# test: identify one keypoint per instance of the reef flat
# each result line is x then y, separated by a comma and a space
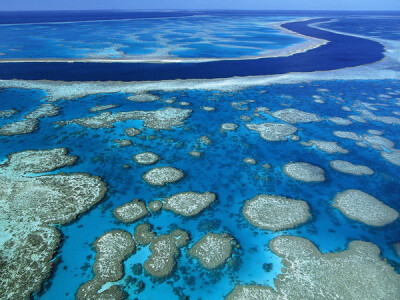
350, 168
328, 147
162, 261
362, 207
273, 132
160, 119
7, 113
356, 273
304, 172
112, 248
146, 158
189, 203
30, 121
294, 116
392, 157
31, 207
212, 250
162, 175
131, 212
102, 107
164, 249
275, 213
229, 127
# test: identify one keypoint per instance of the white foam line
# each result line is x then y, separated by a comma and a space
57, 90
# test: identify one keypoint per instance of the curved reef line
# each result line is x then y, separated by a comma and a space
341, 51
308, 44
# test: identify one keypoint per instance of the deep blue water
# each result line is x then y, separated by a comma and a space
219, 170
341, 52
385, 27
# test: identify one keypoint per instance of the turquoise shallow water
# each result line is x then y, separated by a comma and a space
220, 170
165, 37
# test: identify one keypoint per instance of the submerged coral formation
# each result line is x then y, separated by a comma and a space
162, 175
304, 172
162, 260
393, 157
102, 107
349, 168
356, 273
131, 212
189, 203
362, 207
340, 121
294, 116
165, 118
143, 97
7, 113
229, 127
112, 248
155, 206
144, 234
132, 131
212, 250
250, 161
29, 207
146, 158
328, 147
276, 212
273, 132
30, 122
348, 135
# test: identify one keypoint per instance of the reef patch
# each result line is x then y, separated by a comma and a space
349, 168
356, 273
304, 172
362, 207
273, 132
212, 250
189, 204
276, 213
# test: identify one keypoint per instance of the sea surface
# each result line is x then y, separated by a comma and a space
220, 169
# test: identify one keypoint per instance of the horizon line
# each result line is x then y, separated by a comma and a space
205, 10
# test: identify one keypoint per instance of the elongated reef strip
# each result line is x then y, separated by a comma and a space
362, 207
349, 168
392, 157
102, 107
294, 116
165, 118
348, 135
328, 147
30, 122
